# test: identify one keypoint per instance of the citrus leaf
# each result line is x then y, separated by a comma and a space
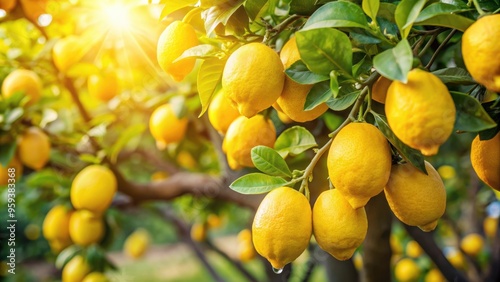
471, 115
318, 94
409, 154
202, 51
294, 141
454, 76
493, 110
220, 14
254, 8
324, 50
344, 102
406, 13
395, 63
173, 6
125, 137
448, 20
269, 161
332, 121
299, 73
439, 8
66, 255
7, 151
209, 76
334, 83
256, 183
370, 7
13, 115
337, 14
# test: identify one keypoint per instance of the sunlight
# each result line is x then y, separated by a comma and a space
116, 16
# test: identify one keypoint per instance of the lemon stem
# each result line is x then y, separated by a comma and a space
439, 48
189, 16
478, 8
271, 31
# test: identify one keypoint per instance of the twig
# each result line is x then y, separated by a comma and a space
428, 45
280, 27
441, 46
236, 264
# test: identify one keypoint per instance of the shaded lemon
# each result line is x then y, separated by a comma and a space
5, 175
245, 235
490, 226
96, 277
93, 188
434, 275
246, 251
214, 221
75, 270
159, 176
472, 244
67, 52
485, 159
447, 172
456, 258
25, 81
380, 88
34, 148
33, 8
406, 270
86, 228
7, 5
165, 126
137, 243
56, 246
413, 249
32, 231
199, 232
221, 113
103, 87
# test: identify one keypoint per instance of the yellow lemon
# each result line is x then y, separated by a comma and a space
186, 160
481, 50
7, 5
103, 87
174, 40
5, 175
75, 270
456, 259
96, 277
246, 251
137, 243
245, 235
34, 148
67, 52
447, 171
396, 246
32, 231
253, 78
159, 176
293, 96
165, 126
93, 189
86, 228
413, 249
25, 81
357, 168
34, 8
221, 113
472, 244
485, 159
421, 112
406, 270
415, 198
199, 232
244, 134
490, 226
434, 275
282, 226
337, 227
56, 246
380, 88
214, 221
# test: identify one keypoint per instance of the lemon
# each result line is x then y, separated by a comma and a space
103, 87
447, 171
221, 113
86, 228
186, 160
406, 270
490, 226
293, 97
421, 112
34, 148
25, 81
485, 159
214, 221
415, 198
137, 243
165, 126
357, 168
67, 52
472, 244
380, 88
246, 251
75, 270
32, 231
56, 246
159, 176
7, 5
245, 235
174, 40
282, 226
96, 277
93, 189
396, 246
456, 259
199, 232
434, 275
480, 50
337, 227
253, 78
56, 224
5, 174
413, 249
358, 261
244, 134
33, 8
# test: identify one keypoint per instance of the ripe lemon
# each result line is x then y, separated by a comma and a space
490, 226
221, 113
96, 277
159, 176
199, 232
456, 259
415, 198
421, 112
137, 243
165, 126
244, 134
357, 168
56, 246
7, 5
174, 40
396, 246
56, 224
434, 275
67, 52
245, 235
32, 231
86, 228
75, 270
34, 8
93, 189
337, 227
447, 172
380, 88
186, 160
34, 148
253, 78
4, 171
103, 87
246, 251
472, 244
293, 97
25, 81
214, 221
358, 261
413, 249
282, 226
485, 159
406, 270
480, 50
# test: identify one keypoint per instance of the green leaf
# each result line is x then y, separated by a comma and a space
220, 14
89, 158
439, 8
44, 178
324, 50
332, 121
409, 154
125, 136
406, 13
337, 14
202, 51
455, 21
344, 102
334, 84
493, 110
299, 73
209, 76
269, 161
13, 115
370, 7
257, 183
294, 141
454, 76
395, 63
7, 151
254, 8
471, 115
66, 255
318, 94
172, 6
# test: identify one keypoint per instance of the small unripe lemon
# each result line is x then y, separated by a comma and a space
93, 188
447, 171
165, 126
86, 228
472, 244
199, 232
96, 277
56, 224
456, 259
32, 231
434, 275
413, 249
137, 243
75, 270
214, 221
56, 246
485, 159
34, 148
490, 226
25, 81
406, 270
